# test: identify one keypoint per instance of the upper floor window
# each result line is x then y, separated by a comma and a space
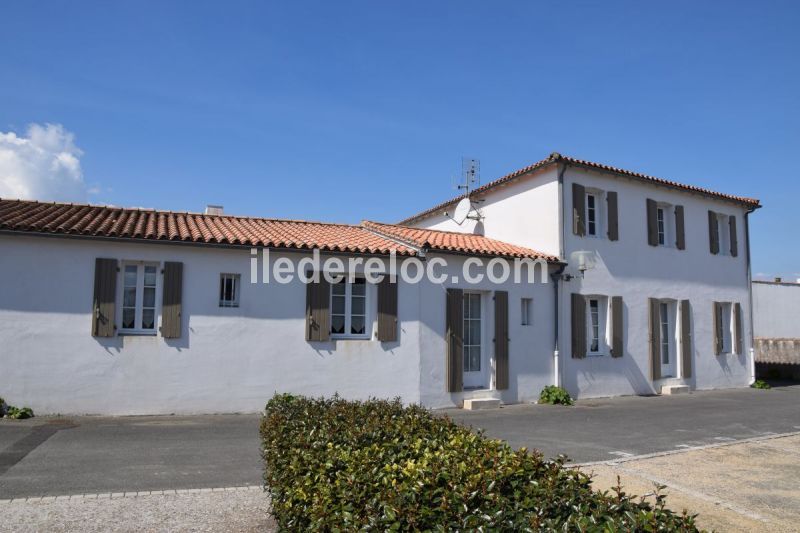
661, 224
722, 234
526, 311
591, 214
139, 283
665, 225
229, 290
349, 308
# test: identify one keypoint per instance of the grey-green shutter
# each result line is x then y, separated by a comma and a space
501, 339
172, 305
680, 230
613, 216
617, 329
686, 338
655, 339
734, 239
454, 318
737, 320
717, 311
652, 222
104, 301
578, 209
387, 310
713, 232
318, 297
578, 326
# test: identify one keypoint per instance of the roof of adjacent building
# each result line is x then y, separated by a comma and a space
449, 241
556, 158
81, 220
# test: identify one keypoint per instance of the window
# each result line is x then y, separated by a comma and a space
349, 308
591, 214
472, 332
665, 332
724, 228
139, 284
662, 235
229, 290
725, 326
596, 325
526, 311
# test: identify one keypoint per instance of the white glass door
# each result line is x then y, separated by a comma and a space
474, 352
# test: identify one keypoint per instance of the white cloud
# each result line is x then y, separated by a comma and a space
44, 164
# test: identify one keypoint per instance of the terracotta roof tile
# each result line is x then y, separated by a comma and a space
555, 158
147, 225
448, 241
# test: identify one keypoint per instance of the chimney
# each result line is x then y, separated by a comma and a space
214, 210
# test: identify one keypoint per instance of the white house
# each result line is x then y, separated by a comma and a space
124, 311
776, 306
667, 302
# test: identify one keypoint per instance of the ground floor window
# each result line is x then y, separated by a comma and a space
597, 337
349, 308
725, 326
139, 284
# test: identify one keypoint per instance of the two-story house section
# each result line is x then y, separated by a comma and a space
655, 296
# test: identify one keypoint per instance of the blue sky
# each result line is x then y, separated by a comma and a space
344, 111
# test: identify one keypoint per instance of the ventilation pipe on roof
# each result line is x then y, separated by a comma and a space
214, 210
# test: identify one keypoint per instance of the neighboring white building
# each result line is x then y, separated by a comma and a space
670, 285
776, 308
122, 311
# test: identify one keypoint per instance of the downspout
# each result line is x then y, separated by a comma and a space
750, 294
556, 277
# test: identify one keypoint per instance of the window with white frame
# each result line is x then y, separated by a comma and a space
665, 222
472, 332
665, 332
661, 225
725, 326
597, 325
349, 308
229, 285
526, 311
723, 223
592, 219
139, 284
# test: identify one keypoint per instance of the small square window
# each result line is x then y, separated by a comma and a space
526, 311
229, 290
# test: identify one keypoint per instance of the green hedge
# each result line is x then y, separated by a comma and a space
338, 465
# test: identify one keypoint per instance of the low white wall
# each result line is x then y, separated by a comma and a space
776, 310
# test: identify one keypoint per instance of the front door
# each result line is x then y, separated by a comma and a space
474, 353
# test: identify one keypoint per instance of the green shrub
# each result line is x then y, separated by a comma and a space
336, 465
19, 412
760, 384
555, 396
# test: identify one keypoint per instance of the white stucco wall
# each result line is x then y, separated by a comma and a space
776, 310
227, 359
524, 212
633, 269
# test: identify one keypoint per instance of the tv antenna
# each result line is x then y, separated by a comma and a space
470, 180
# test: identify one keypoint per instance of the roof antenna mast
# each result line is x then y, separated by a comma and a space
470, 180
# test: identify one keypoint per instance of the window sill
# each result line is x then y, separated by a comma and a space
339, 337
129, 333
596, 354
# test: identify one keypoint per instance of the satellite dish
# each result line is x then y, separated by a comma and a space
462, 211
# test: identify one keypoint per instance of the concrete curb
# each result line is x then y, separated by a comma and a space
612, 462
131, 494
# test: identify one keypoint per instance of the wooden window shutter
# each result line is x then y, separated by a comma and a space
578, 326
172, 304
737, 321
613, 216
501, 339
713, 232
717, 311
104, 301
655, 339
318, 297
578, 209
617, 327
387, 310
652, 222
686, 338
454, 317
680, 230
734, 239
